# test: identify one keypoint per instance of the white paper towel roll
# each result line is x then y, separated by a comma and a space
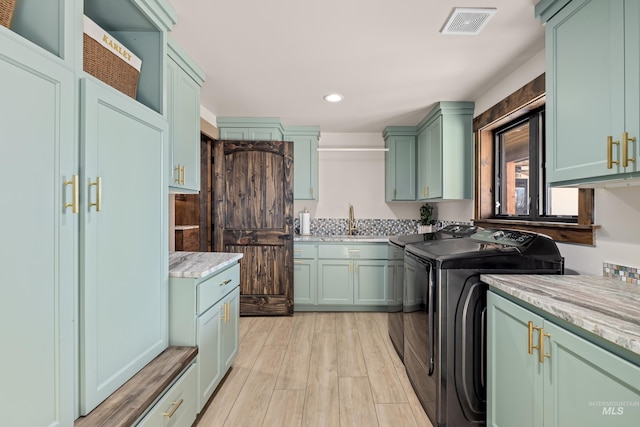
305, 223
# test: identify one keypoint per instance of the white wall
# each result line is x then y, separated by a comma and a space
355, 178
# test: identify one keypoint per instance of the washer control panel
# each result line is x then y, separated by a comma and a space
504, 237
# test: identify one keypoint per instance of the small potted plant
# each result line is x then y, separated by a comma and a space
427, 221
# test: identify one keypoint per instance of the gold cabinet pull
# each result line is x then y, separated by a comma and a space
74, 194
541, 353
298, 262
357, 267
539, 346
355, 251
226, 282
177, 176
610, 143
227, 306
174, 408
425, 191
625, 149
313, 193
350, 267
182, 175
98, 202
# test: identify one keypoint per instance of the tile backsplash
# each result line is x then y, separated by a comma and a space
621, 272
367, 227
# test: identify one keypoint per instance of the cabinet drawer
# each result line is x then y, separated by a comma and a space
304, 251
211, 290
177, 408
353, 251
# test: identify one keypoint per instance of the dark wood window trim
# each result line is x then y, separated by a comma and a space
523, 100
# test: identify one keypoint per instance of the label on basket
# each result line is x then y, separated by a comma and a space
94, 31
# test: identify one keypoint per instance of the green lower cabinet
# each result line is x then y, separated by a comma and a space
369, 283
305, 290
577, 383
305, 276
204, 312
335, 282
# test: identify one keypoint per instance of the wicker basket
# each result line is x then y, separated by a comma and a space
108, 60
6, 12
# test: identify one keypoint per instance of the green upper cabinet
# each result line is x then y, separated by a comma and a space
250, 128
541, 374
184, 79
400, 163
445, 152
593, 89
305, 160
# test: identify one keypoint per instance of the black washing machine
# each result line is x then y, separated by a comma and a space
396, 289
445, 315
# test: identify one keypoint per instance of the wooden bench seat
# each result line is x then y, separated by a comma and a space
137, 395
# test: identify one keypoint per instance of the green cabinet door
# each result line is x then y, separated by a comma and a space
184, 79
229, 339
369, 282
305, 160
39, 249
400, 163
335, 282
585, 89
432, 187
123, 264
586, 385
209, 332
305, 290
514, 376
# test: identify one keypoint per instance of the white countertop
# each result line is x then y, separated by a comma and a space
603, 306
199, 264
340, 238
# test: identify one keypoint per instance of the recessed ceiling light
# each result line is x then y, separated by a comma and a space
333, 97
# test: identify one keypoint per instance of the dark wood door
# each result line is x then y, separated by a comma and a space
253, 214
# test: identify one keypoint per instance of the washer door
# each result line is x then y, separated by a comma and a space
470, 349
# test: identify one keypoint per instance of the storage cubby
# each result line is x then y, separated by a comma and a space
43, 23
142, 28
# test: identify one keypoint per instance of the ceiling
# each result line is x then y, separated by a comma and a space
278, 58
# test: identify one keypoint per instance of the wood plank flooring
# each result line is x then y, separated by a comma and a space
315, 369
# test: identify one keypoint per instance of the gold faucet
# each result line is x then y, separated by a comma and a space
352, 221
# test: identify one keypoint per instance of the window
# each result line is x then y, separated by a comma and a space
520, 188
510, 188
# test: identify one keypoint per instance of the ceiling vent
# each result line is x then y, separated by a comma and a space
467, 21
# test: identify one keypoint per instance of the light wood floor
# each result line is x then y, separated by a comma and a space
315, 369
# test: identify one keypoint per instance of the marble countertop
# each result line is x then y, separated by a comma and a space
603, 306
199, 264
340, 238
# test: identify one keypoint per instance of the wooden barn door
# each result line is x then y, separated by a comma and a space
253, 214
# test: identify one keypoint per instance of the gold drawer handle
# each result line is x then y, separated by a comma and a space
173, 410
98, 185
625, 149
74, 194
226, 282
297, 250
298, 262
541, 353
353, 250
610, 144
